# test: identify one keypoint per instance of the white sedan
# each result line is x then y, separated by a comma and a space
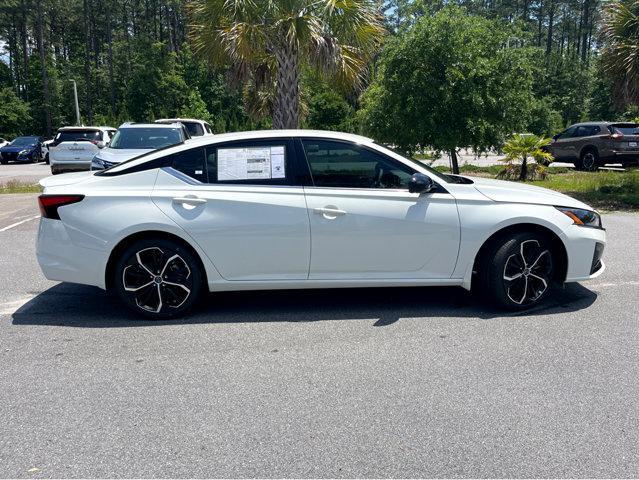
306, 209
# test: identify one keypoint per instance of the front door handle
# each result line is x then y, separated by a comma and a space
189, 200
330, 212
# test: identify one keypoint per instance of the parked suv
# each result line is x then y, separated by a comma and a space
594, 144
134, 139
196, 128
73, 148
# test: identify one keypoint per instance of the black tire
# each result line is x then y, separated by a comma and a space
158, 278
46, 159
588, 161
516, 272
4, 162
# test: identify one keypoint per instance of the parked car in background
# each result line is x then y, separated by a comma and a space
73, 148
45, 150
306, 209
3, 142
196, 128
591, 145
22, 149
134, 139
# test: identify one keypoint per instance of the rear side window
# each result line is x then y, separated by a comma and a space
587, 130
266, 162
626, 129
194, 129
347, 165
191, 163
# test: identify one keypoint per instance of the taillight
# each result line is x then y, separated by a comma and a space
49, 204
616, 136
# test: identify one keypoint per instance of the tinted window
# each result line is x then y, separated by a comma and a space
24, 141
568, 133
191, 163
265, 162
587, 130
145, 138
78, 135
343, 164
194, 129
627, 129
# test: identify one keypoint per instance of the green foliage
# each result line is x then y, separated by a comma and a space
544, 119
328, 111
448, 83
518, 149
14, 114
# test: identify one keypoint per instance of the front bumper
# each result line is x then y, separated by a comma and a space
584, 248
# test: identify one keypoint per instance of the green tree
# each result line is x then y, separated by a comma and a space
522, 147
14, 114
449, 83
272, 40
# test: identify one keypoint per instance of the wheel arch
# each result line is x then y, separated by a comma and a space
588, 147
559, 251
142, 235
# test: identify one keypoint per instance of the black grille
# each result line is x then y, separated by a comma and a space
596, 258
10, 157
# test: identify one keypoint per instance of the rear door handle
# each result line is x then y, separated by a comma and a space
189, 200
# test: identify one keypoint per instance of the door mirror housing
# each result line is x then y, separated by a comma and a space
555, 137
420, 183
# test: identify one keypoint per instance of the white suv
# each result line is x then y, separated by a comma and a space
196, 128
73, 148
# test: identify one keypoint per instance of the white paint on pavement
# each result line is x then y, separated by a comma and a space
9, 227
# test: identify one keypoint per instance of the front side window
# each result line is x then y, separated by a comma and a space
145, 138
346, 165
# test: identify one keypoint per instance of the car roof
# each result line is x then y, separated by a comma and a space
150, 125
75, 128
238, 136
164, 120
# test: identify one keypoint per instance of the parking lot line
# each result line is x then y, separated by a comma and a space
9, 227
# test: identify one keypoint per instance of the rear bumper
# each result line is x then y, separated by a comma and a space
620, 156
61, 167
63, 260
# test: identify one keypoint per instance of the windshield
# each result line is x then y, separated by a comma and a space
76, 135
145, 138
24, 141
443, 176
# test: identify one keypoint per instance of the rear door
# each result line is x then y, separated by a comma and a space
242, 203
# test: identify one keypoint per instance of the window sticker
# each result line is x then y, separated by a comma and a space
252, 163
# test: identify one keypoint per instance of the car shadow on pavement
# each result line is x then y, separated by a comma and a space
73, 305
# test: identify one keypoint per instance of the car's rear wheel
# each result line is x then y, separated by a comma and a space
158, 278
517, 272
588, 161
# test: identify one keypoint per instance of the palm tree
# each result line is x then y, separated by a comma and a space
523, 146
269, 41
620, 53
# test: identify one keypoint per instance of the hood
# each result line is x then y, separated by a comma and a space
65, 179
514, 192
116, 155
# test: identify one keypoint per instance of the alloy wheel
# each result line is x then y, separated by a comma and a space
589, 161
157, 280
527, 274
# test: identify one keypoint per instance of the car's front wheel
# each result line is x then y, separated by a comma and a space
517, 272
158, 278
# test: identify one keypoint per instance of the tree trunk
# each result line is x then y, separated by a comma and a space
551, 19
25, 52
286, 112
454, 161
43, 68
524, 169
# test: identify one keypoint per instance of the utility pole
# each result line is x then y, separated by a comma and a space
75, 98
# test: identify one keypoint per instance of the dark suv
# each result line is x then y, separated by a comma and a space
593, 144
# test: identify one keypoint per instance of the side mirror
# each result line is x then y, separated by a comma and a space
555, 137
420, 183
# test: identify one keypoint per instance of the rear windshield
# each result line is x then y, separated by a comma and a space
145, 138
194, 129
24, 141
78, 135
627, 128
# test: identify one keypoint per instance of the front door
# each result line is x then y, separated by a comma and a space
366, 225
239, 203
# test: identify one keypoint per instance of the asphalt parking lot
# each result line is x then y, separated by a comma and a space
410, 382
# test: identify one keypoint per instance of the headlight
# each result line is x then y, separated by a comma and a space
23, 152
585, 218
97, 164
